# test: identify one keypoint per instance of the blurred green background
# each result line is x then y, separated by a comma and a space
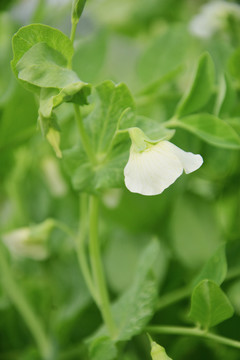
152, 47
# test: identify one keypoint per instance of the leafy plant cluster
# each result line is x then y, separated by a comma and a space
171, 262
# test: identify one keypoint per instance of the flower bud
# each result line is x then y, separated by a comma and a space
77, 9
53, 137
30, 242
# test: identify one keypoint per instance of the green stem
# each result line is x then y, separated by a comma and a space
80, 246
73, 31
83, 135
20, 302
173, 297
97, 268
178, 330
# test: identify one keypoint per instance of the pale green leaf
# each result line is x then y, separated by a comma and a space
30, 35
158, 352
201, 88
45, 67
211, 129
215, 269
209, 304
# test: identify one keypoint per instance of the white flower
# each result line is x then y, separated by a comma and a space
154, 166
29, 242
213, 17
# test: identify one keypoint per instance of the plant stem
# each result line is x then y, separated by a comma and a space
73, 31
97, 268
80, 246
173, 297
83, 135
20, 302
178, 330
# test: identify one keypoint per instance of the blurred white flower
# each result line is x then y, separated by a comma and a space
154, 165
29, 242
213, 17
112, 197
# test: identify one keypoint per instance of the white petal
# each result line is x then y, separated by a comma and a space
153, 170
190, 162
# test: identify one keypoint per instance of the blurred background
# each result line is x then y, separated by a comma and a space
153, 46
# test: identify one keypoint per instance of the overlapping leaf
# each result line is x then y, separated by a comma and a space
209, 305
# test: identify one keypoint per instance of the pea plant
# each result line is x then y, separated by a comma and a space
100, 258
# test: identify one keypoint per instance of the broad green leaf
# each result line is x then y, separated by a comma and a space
215, 269
136, 306
102, 348
45, 67
211, 129
104, 120
30, 35
107, 175
201, 88
209, 304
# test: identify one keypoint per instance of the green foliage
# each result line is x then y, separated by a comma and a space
102, 125
45, 67
163, 56
31, 35
158, 352
102, 348
149, 45
215, 269
211, 129
136, 306
201, 88
209, 305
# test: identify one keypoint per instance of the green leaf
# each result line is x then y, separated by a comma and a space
45, 67
201, 88
102, 124
211, 129
209, 304
136, 306
104, 120
30, 35
158, 352
215, 269
51, 98
102, 348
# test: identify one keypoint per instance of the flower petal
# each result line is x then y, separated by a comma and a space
153, 170
190, 161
